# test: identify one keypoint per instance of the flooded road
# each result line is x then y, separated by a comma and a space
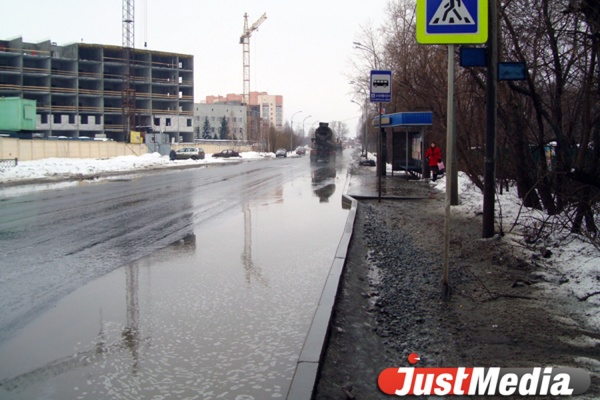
199, 284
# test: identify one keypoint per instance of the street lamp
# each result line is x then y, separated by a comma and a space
365, 109
365, 117
360, 46
303, 126
292, 124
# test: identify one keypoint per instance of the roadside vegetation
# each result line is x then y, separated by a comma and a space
548, 131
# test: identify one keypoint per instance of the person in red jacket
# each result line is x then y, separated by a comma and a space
433, 156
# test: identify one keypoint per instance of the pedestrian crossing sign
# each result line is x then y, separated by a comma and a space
452, 21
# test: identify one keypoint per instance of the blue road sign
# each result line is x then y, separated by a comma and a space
381, 86
451, 16
472, 56
512, 71
452, 21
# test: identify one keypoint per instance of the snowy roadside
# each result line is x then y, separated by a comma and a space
511, 307
61, 169
569, 264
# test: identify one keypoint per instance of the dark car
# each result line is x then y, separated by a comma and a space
281, 153
300, 150
227, 153
186, 153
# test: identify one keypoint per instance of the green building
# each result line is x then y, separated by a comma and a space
17, 114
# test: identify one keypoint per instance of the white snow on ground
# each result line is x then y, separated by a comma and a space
573, 268
57, 167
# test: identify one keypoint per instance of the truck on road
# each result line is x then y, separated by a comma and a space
323, 148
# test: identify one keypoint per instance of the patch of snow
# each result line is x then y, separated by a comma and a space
572, 269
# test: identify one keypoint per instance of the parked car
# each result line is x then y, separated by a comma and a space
300, 150
227, 153
186, 153
281, 153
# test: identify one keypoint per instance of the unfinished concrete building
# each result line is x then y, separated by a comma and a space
80, 88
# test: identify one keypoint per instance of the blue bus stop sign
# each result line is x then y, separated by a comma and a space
381, 86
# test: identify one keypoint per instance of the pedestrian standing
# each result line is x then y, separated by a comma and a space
433, 156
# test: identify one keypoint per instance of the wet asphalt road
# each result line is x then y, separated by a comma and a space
183, 284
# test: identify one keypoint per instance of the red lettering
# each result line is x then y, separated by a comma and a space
425, 381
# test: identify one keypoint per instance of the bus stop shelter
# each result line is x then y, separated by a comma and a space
403, 140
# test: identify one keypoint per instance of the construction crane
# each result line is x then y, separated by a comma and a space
128, 13
127, 89
245, 40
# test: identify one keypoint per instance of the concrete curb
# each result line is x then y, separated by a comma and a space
307, 368
362, 197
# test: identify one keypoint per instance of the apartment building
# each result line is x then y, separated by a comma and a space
271, 109
269, 106
234, 113
80, 89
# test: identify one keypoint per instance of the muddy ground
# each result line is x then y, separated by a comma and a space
389, 304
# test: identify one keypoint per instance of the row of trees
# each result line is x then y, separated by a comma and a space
548, 133
223, 131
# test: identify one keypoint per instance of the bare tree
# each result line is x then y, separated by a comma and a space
273, 137
560, 50
548, 130
340, 129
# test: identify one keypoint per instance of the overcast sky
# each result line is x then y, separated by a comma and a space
302, 51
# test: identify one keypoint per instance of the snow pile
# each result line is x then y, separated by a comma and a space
569, 264
53, 168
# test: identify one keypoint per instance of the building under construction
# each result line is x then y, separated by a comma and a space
91, 90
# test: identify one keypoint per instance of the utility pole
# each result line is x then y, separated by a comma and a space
292, 126
364, 118
489, 180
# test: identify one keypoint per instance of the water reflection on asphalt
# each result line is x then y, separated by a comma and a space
221, 313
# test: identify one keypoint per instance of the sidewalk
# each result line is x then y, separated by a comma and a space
389, 305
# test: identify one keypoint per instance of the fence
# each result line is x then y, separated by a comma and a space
34, 149
8, 163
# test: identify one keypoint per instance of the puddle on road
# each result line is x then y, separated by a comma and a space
221, 313
15, 191
20, 190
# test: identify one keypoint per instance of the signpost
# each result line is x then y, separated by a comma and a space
451, 22
381, 86
511, 71
472, 57
381, 92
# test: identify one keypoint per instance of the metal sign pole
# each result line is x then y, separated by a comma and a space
366, 119
381, 91
435, 24
380, 164
450, 143
489, 180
